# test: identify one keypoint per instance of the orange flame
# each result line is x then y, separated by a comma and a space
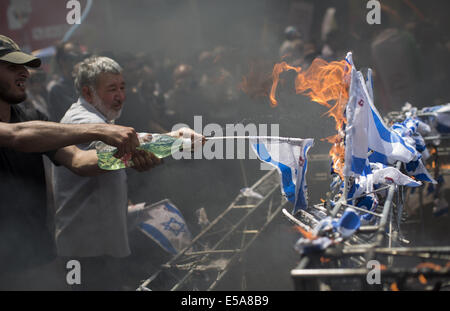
422, 279
277, 70
394, 287
434, 162
324, 83
443, 166
429, 265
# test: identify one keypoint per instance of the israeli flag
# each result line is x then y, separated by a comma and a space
357, 132
418, 170
410, 130
366, 131
381, 175
290, 157
164, 224
348, 223
389, 175
370, 203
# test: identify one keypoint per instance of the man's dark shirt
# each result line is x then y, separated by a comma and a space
61, 95
25, 240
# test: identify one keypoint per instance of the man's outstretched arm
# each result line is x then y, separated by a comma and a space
84, 163
41, 136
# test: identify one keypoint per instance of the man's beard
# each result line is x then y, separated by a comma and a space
7, 96
109, 114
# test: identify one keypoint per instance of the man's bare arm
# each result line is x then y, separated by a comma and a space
41, 136
84, 163
80, 162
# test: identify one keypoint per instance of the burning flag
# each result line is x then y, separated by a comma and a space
290, 157
366, 131
324, 83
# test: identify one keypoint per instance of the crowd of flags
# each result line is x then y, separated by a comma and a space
371, 150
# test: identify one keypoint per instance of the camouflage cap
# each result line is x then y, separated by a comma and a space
10, 52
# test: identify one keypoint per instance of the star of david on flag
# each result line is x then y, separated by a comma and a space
174, 226
164, 224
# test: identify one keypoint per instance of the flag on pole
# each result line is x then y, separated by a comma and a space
388, 175
419, 171
164, 224
369, 84
348, 223
409, 130
380, 175
366, 131
290, 157
370, 203
357, 132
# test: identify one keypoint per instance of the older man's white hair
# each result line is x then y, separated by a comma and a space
87, 74
88, 71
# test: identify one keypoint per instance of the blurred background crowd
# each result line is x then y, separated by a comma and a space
214, 59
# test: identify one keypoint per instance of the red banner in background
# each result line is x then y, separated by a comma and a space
35, 24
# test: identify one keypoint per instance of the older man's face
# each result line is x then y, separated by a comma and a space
111, 95
13, 82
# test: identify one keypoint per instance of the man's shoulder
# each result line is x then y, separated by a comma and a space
29, 114
78, 114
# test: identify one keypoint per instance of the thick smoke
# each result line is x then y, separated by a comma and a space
221, 40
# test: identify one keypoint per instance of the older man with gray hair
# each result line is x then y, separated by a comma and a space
91, 213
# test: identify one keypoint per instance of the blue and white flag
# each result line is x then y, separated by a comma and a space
418, 170
348, 223
409, 130
389, 175
370, 203
366, 131
290, 157
380, 175
164, 224
357, 132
